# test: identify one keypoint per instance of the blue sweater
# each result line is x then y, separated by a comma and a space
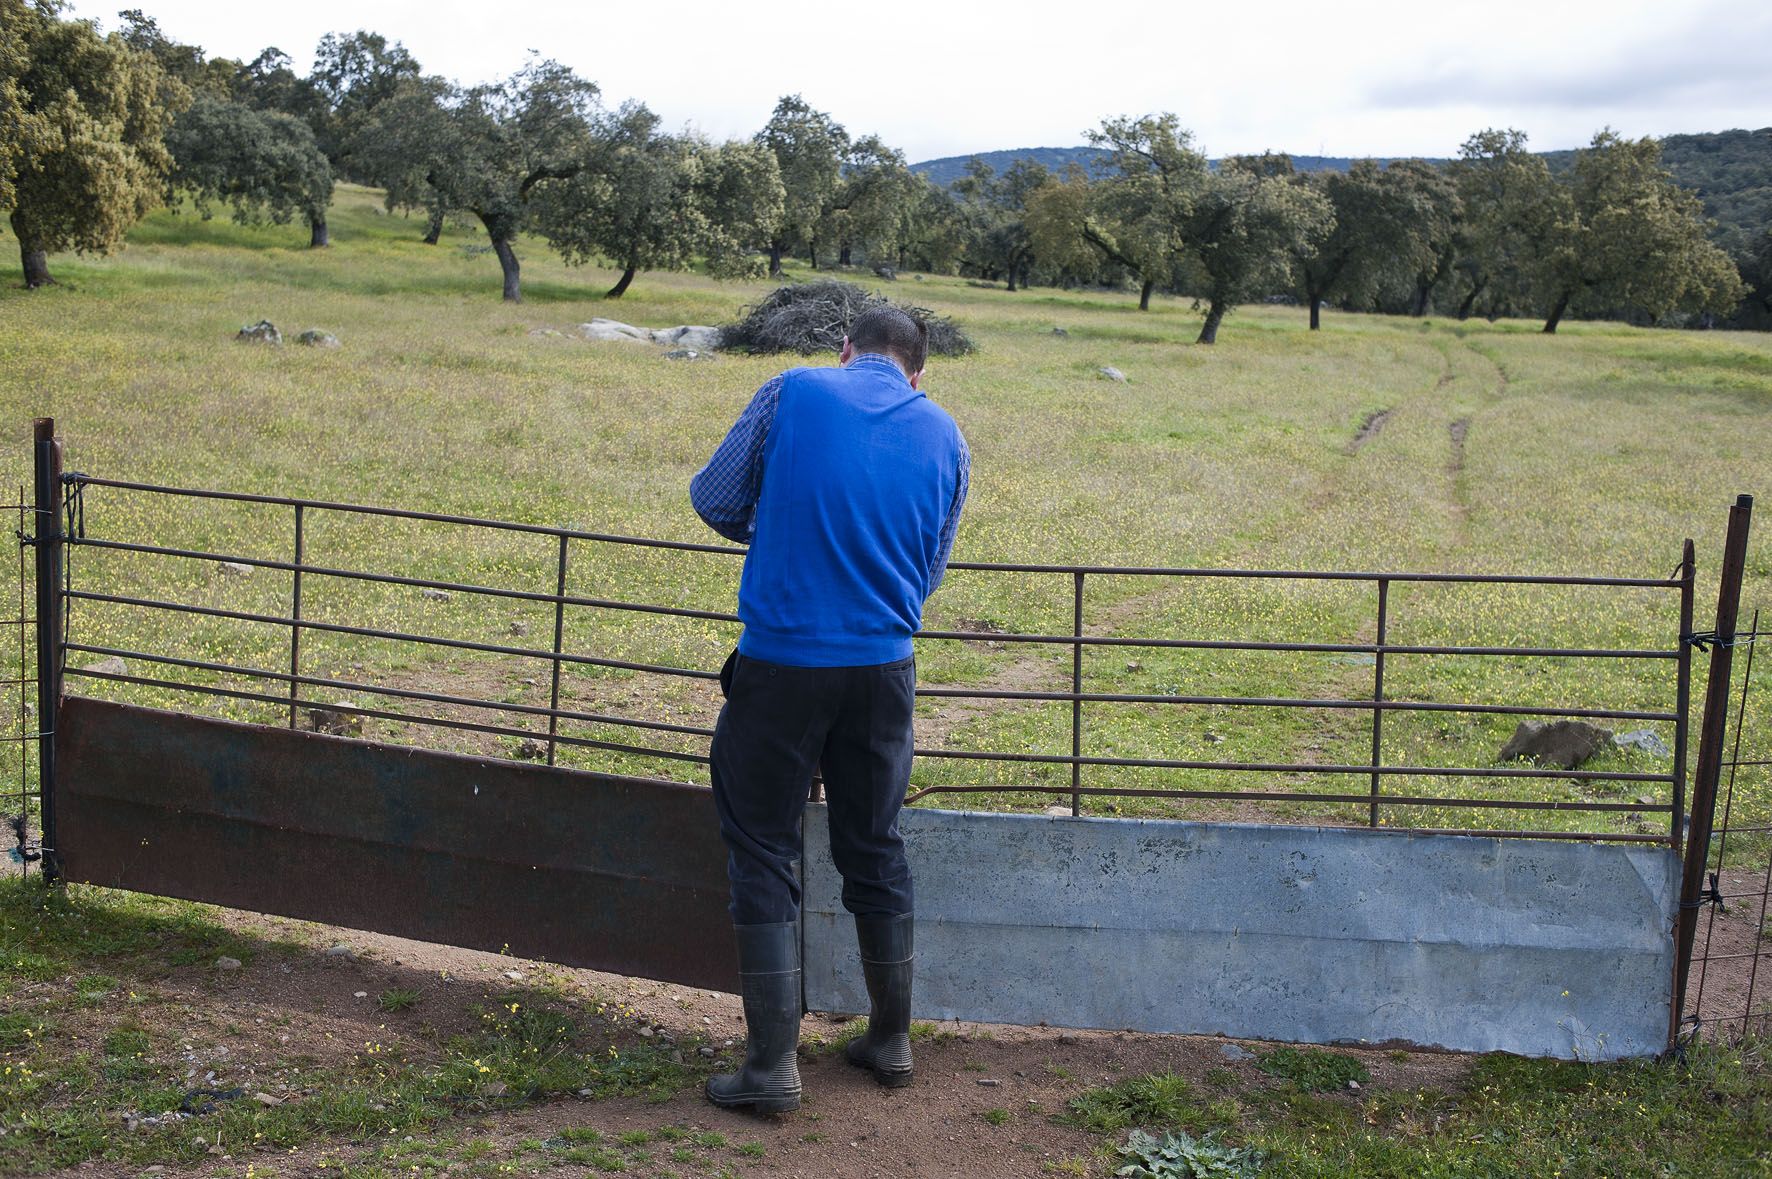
848, 484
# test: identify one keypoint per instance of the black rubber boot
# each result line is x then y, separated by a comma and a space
769, 978
886, 962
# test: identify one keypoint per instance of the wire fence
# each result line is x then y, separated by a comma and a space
1730, 983
329, 615
17, 682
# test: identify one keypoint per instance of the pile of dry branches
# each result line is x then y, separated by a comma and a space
812, 317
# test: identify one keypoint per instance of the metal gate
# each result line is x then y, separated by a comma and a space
286, 806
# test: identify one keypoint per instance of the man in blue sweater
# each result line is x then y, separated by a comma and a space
847, 484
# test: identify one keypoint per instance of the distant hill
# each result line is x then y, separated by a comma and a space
1731, 171
948, 169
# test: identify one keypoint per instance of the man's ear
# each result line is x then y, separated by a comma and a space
846, 353
916, 377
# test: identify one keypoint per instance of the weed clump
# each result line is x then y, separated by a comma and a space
812, 317
1313, 1070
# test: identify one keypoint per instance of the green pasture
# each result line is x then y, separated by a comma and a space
1594, 451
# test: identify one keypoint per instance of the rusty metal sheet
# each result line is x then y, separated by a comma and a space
618, 874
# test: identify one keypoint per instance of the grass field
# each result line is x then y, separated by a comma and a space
1596, 451
1499, 450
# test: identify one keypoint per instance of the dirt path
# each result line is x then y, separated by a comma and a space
983, 1103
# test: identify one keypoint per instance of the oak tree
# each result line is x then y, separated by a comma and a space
1382, 235
1140, 210
507, 141
809, 147
89, 159
1248, 225
1621, 234
261, 164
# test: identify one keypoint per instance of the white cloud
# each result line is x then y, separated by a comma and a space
1353, 78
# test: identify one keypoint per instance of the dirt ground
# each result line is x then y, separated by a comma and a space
242, 1027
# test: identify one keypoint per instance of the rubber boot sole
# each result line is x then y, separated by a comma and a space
760, 1102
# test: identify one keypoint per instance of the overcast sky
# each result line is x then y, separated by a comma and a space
1331, 77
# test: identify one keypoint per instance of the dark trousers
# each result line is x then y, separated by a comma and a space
780, 723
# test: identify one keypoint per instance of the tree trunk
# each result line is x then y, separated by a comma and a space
843, 255
318, 237
812, 255
1316, 302
1011, 277
621, 288
774, 259
1556, 315
507, 260
1422, 290
434, 233
1144, 296
1209, 330
32, 254
1470, 301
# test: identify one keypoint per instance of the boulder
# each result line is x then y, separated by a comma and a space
1110, 373
1563, 744
698, 337
315, 338
334, 722
610, 329
262, 332
1645, 740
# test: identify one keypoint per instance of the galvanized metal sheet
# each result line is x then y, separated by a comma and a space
1314, 935
619, 874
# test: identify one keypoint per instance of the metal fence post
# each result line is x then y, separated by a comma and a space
48, 534
559, 646
1683, 692
295, 613
1384, 594
1710, 750
1077, 694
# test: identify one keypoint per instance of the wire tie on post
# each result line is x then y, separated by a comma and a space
1682, 1043
1711, 895
74, 505
1707, 640
1714, 895
23, 852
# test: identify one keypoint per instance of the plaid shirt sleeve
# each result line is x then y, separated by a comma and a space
724, 493
952, 525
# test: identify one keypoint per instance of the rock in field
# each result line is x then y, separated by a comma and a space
315, 338
112, 666
1645, 740
1109, 373
262, 332
331, 720
1563, 744
694, 336
610, 329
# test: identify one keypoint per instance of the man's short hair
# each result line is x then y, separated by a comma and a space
889, 330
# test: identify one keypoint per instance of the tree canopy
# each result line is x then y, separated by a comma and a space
261, 164
1249, 224
1620, 234
89, 159
506, 141
809, 147
1383, 235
